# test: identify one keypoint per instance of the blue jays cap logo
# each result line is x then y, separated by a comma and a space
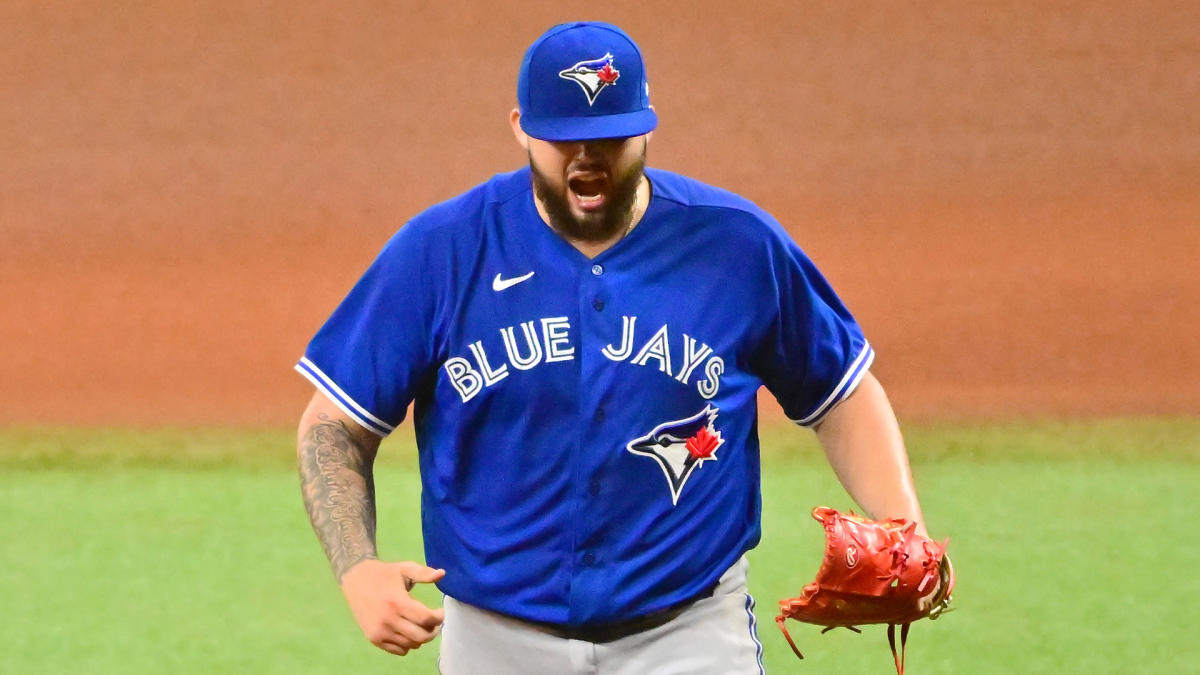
592, 76
680, 446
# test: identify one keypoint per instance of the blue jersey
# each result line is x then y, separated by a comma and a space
587, 428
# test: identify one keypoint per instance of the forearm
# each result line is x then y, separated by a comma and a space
338, 488
862, 440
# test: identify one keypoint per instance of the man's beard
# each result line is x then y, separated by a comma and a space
592, 227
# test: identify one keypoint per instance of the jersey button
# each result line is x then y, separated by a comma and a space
599, 416
594, 487
597, 270
598, 304
589, 559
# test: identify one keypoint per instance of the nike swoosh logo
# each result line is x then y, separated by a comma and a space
499, 284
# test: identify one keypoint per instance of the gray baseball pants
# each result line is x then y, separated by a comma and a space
717, 635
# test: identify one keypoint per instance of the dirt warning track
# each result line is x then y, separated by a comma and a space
1007, 198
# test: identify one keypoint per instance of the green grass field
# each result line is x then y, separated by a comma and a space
188, 551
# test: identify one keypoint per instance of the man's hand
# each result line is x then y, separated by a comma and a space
391, 618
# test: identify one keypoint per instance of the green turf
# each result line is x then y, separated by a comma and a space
183, 551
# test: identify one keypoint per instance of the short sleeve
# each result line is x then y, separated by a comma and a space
814, 353
375, 348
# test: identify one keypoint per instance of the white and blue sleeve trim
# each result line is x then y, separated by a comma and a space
343, 400
848, 384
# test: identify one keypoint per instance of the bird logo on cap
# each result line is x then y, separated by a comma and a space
592, 76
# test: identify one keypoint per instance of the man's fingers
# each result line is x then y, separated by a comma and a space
419, 574
392, 648
417, 613
388, 639
400, 636
413, 634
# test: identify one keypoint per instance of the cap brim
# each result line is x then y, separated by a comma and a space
621, 125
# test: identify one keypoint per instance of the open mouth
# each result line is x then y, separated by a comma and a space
588, 190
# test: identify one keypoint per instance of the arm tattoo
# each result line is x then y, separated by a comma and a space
338, 487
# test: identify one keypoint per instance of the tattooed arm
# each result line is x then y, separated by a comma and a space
338, 485
336, 456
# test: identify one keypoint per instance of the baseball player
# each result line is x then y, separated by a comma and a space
583, 340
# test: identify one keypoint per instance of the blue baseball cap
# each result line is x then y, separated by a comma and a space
584, 80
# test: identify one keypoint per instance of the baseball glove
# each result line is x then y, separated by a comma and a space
873, 572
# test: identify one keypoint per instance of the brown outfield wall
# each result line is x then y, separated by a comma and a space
1007, 194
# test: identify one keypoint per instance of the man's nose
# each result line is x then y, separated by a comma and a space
584, 150
590, 148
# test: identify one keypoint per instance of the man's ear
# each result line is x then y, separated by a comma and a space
514, 119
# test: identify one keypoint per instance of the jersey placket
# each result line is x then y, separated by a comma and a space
591, 556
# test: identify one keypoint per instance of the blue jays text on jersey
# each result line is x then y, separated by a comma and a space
587, 428
469, 377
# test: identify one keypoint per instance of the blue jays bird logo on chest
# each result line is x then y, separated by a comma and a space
592, 76
680, 447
